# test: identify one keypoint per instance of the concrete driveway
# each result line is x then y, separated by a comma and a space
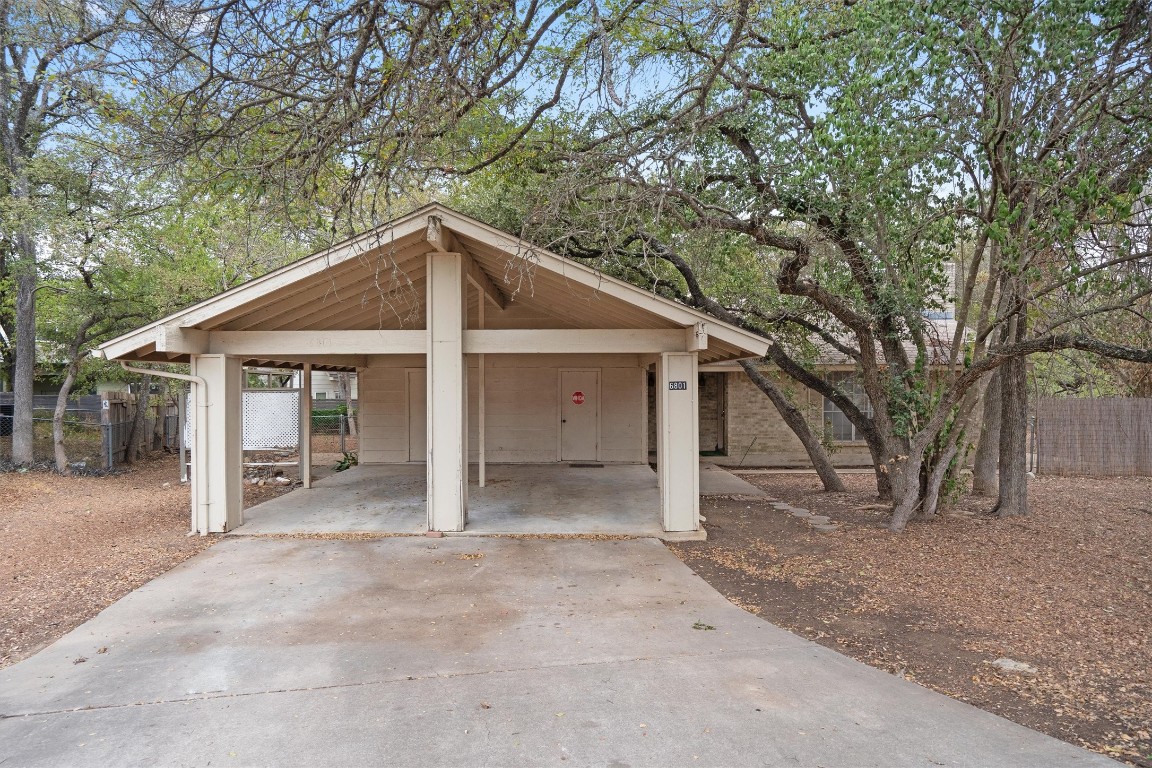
469, 651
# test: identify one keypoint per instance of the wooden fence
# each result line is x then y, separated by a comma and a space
1094, 436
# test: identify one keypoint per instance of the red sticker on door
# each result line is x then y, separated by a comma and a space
578, 397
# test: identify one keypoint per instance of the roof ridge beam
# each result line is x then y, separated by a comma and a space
442, 239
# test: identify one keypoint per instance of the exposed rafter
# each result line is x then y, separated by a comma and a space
442, 239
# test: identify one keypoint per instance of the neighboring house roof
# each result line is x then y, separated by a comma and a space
938, 336
376, 281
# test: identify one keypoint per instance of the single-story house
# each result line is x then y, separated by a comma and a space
739, 426
471, 346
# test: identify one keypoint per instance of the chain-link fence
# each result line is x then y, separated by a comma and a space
97, 430
332, 432
95, 438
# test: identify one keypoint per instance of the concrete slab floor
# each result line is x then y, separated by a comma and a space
372, 499
620, 499
414, 652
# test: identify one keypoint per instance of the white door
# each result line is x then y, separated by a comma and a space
417, 415
579, 415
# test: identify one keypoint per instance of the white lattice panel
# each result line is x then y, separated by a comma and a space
271, 418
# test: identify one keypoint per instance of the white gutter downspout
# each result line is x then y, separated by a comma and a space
199, 428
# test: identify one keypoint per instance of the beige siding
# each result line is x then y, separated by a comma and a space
622, 414
516, 316
522, 408
521, 412
384, 413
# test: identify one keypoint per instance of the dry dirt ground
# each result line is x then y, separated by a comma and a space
1067, 590
70, 546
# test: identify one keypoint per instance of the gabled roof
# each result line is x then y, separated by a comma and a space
375, 281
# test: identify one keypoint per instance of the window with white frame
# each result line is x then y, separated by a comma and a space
836, 424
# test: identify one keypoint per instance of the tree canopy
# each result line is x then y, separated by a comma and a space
832, 174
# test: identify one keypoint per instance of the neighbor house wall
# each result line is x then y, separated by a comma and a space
522, 407
326, 389
758, 436
711, 402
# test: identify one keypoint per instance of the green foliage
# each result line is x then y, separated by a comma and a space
327, 418
820, 169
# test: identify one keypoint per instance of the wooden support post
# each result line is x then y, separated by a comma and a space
306, 425
218, 455
447, 394
678, 440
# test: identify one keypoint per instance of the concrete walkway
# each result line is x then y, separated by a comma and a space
486, 651
717, 481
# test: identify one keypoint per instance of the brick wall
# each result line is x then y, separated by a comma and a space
757, 436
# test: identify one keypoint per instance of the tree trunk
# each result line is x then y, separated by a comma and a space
345, 380
74, 355
22, 424
799, 426
984, 481
936, 479
879, 466
1013, 486
865, 425
157, 439
58, 449
132, 447
909, 492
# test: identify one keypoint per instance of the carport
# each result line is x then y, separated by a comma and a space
557, 498
473, 347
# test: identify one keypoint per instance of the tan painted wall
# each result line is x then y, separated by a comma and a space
522, 414
384, 409
622, 414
